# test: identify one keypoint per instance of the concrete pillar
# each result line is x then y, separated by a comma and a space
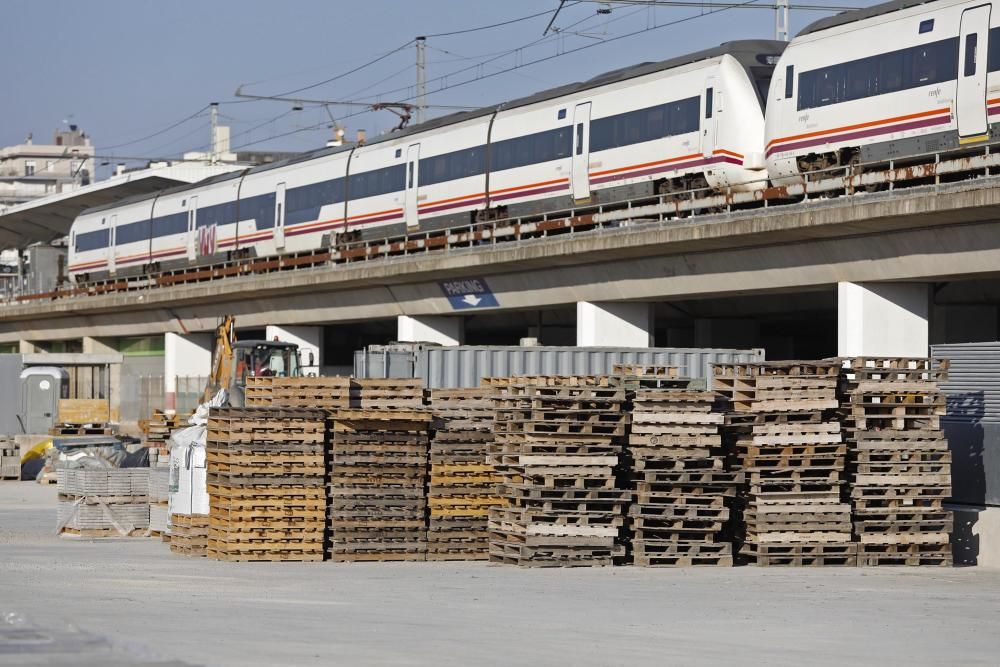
614, 324
440, 329
26, 347
108, 346
882, 319
184, 355
309, 340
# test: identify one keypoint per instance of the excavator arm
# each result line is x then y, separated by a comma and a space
222, 358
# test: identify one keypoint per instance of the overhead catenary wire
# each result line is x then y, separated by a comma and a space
347, 73
342, 75
159, 132
496, 25
522, 64
553, 36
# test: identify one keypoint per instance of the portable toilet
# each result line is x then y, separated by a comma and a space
41, 389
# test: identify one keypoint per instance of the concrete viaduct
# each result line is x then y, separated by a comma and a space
880, 251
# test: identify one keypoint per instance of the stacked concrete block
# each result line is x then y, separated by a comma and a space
103, 503
10, 459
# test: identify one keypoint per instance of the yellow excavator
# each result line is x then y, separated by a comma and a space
234, 361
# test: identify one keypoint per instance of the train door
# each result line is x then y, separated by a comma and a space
581, 151
111, 244
279, 216
708, 126
971, 95
412, 185
192, 237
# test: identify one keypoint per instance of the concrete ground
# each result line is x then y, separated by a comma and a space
203, 612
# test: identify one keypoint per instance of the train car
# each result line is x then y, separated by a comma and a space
896, 81
689, 122
93, 250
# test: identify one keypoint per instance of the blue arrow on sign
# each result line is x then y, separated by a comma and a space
465, 293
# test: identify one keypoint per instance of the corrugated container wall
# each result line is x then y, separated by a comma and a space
972, 423
466, 365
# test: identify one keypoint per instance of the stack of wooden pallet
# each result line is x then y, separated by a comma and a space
683, 491
462, 484
189, 534
786, 439
378, 484
558, 444
265, 484
387, 394
156, 432
328, 393
103, 503
10, 460
900, 466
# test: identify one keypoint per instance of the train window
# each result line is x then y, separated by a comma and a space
993, 55
219, 214
452, 166
934, 62
789, 80
92, 240
562, 143
261, 208
647, 124
890, 73
924, 67
861, 78
133, 232
970, 54
399, 152
562, 114
166, 225
377, 182
683, 116
876, 75
708, 103
579, 138
926, 25
656, 123
828, 85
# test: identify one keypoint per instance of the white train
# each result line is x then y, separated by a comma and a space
692, 121
896, 81
893, 81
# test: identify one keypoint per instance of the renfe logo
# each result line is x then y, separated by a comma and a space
465, 293
207, 240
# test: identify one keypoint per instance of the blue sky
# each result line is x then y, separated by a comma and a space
125, 69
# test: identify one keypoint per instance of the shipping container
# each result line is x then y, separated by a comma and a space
465, 365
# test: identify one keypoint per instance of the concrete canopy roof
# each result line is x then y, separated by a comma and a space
49, 218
